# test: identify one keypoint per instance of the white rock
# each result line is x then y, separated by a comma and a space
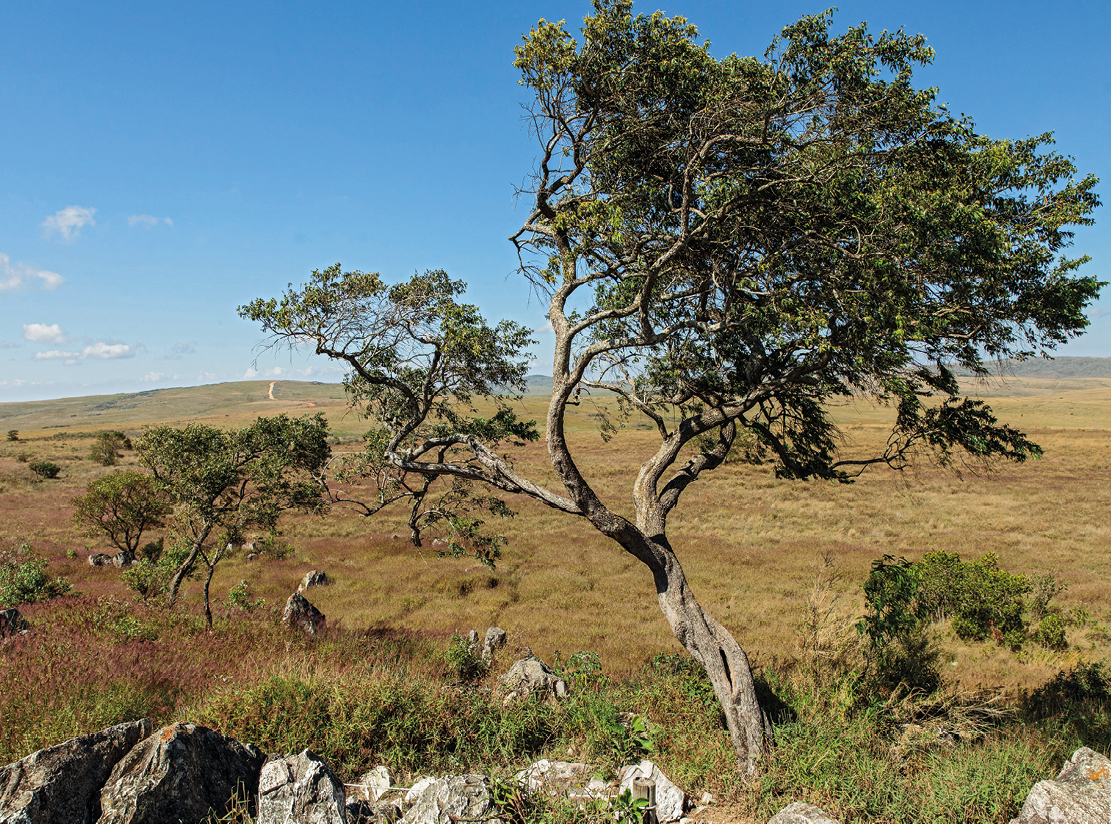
1081, 793
669, 798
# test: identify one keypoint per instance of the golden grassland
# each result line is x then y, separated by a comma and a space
751, 544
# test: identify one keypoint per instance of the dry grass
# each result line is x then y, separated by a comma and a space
748, 541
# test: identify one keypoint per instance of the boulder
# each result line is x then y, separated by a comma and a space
313, 579
100, 559
12, 622
179, 774
121, 560
669, 798
561, 778
375, 783
451, 799
301, 614
801, 813
251, 556
300, 789
495, 640
530, 675
414, 793
62, 784
1080, 794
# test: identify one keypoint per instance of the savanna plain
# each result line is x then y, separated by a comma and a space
780, 563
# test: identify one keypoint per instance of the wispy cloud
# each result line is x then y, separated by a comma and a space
180, 350
547, 328
99, 351
43, 333
148, 220
68, 222
14, 276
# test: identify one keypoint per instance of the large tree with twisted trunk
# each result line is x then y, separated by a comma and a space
727, 246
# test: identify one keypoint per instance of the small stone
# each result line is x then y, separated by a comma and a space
801, 813
706, 800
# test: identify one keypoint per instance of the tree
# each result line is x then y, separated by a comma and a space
727, 247
121, 507
106, 448
223, 483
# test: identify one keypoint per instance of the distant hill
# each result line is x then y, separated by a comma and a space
1050, 369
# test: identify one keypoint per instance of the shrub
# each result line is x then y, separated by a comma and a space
13, 434
239, 596
1051, 633
1043, 588
274, 548
45, 469
464, 659
106, 448
151, 576
23, 578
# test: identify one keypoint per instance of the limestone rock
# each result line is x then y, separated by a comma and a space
1081, 794
450, 799
801, 813
560, 778
494, 640
669, 798
12, 622
300, 789
179, 774
415, 792
301, 614
376, 783
100, 559
313, 579
530, 675
61, 785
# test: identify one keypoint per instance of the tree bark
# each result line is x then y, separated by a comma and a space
713, 646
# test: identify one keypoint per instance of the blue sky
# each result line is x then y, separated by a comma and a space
161, 164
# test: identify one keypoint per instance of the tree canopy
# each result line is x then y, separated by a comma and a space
728, 246
121, 507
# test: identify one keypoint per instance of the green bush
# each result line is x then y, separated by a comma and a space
464, 660
1051, 633
150, 577
13, 434
45, 469
106, 448
23, 578
239, 596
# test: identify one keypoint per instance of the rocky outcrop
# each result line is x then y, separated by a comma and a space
12, 622
569, 779
100, 559
302, 615
531, 675
670, 800
1080, 794
300, 789
375, 783
801, 813
494, 640
450, 799
313, 579
179, 774
61, 785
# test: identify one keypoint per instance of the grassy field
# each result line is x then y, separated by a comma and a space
759, 553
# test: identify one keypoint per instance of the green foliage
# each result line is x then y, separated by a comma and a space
1051, 633
45, 469
239, 596
23, 578
1043, 589
150, 577
1077, 702
106, 449
274, 548
13, 434
121, 507
464, 660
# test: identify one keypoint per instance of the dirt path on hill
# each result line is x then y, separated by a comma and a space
270, 391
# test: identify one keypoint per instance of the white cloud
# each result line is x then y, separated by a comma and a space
547, 328
18, 275
250, 373
206, 376
56, 354
148, 220
107, 351
42, 333
68, 222
154, 377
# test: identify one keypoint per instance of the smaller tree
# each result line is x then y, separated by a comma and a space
122, 507
106, 448
224, 483
13, 434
